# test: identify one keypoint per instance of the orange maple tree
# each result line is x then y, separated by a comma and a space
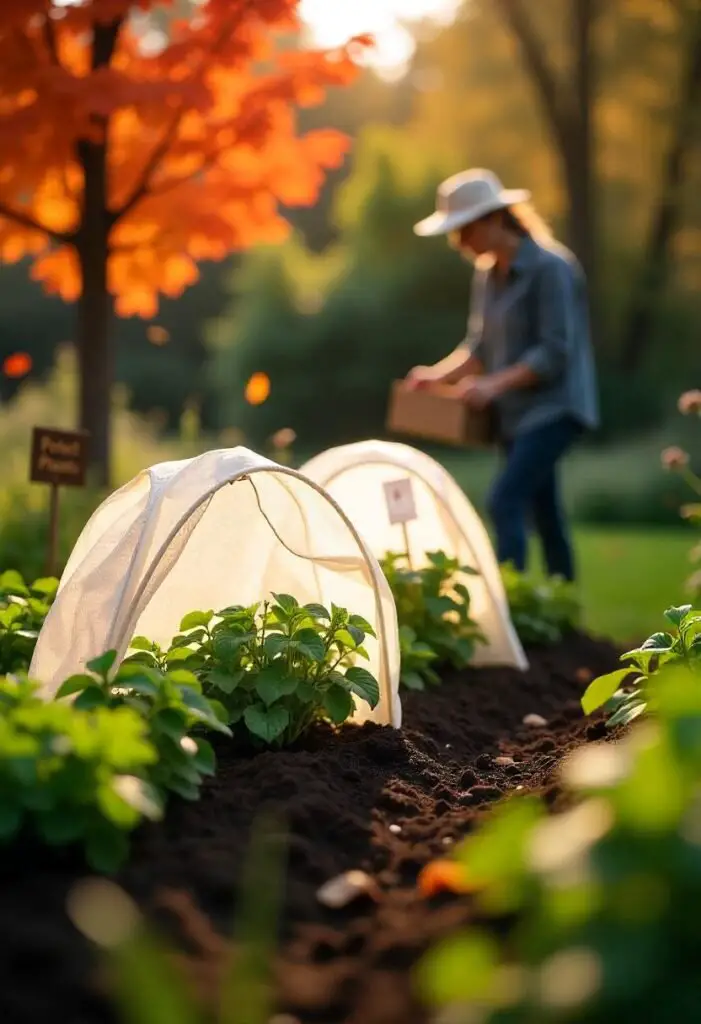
135, 143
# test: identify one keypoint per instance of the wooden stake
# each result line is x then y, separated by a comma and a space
405, 534
52, 559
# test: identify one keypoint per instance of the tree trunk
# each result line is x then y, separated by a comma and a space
657, 256
567, 106
95, 352
94, 330
578, 157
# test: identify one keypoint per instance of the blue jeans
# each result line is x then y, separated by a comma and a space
527, 492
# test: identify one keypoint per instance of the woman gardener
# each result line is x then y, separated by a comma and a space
527, 355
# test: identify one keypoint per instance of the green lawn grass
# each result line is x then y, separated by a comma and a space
628, 578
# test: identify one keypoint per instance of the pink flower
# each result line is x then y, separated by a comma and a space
690, 403
284, 438
693, 584
675, 458
691, 512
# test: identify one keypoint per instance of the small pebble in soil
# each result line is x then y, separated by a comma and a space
483, 761
447, 840
535, 721
504, 761
481, 794
467, 779
395, 829
340, 891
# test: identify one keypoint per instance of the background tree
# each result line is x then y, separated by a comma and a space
684, 144
131, 149
346, 323
567, 98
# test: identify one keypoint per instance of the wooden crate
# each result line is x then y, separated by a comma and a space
435, 414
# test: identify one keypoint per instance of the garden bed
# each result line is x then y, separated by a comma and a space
339, 799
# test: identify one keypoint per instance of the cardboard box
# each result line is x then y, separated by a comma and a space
435, 414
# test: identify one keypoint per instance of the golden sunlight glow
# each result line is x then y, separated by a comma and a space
333, 21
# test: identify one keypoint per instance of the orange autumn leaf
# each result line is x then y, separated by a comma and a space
17, 365
445, 876
257, 389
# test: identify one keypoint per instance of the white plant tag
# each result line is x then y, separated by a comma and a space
399, 496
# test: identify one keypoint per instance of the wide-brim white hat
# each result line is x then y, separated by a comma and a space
465, 198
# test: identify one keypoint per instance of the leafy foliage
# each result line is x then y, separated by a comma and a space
433, 609
275, 669
176, 118
90, 769
542, 611
23, 609
681, 646
74, 774
593, 910
379, 281
172, 706
417, 660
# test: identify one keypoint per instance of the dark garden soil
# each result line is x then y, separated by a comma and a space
339, 797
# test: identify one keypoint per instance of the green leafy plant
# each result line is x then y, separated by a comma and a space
626, 702
417, 660
23, 608
589, 916
72, 774
171, 705
276, 668
433, 610
542, 611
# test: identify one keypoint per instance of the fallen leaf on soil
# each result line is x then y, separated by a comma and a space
444, 876
340, 891
536, 721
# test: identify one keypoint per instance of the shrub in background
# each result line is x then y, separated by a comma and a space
542, 611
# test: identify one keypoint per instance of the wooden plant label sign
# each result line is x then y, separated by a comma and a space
59, 457
399, 496
435, 414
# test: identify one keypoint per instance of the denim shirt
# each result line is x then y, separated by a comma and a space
538, 317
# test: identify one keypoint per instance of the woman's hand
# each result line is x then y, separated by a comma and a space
477, 392
420, 377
